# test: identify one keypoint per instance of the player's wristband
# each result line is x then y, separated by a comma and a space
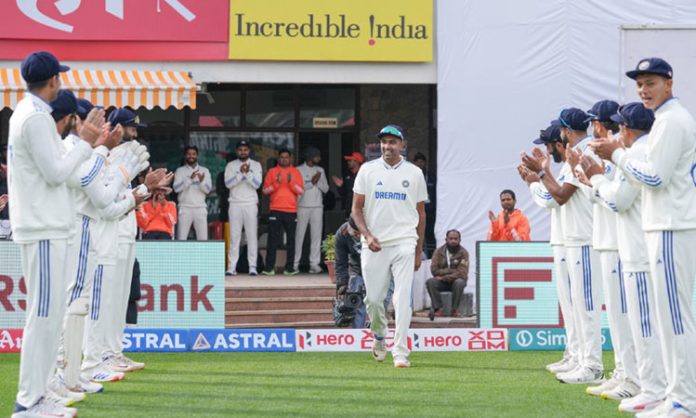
541, 174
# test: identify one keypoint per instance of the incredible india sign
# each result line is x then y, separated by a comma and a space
321, 30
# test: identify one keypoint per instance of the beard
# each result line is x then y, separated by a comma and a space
453, 248
557, 158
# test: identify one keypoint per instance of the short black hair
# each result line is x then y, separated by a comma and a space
610, 125
459, 234
58, 116
510, 192
419, 156
193, 147
38, 85
283, 150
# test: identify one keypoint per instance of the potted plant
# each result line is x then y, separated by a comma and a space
328, 248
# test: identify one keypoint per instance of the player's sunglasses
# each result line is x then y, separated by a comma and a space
563, 121
390, 130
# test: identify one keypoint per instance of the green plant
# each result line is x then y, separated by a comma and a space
327, 247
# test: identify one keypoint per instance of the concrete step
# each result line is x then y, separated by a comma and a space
278, 316
281, 291
282, 303
297, 325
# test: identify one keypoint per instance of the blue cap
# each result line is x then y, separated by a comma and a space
65, 103
635, 116
125, 117
572, 118
549, 135
391, 130
651, 66
84, 106
603, 110
41, 66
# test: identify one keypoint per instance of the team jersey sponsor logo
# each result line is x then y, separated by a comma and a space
390, 196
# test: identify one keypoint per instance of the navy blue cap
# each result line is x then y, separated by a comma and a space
65, 104
635, 116
125, 117
549, 135
603, 110
391, 130
41, 66
651, 66
84, 106
242, 143
572, 118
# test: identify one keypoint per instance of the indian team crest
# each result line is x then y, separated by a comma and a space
644, 65
405, 183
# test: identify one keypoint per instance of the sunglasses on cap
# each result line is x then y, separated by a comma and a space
390, 130
563, 121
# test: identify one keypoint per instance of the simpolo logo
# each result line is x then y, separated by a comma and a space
524, 338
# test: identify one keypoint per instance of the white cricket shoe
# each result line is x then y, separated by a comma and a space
58, 387
379, 349
577, 368
627, 389
562, 367
401, 362
101, 374
116, 364
562, 361
605, 387
42, 409
664, 409
639, 403
315, 270
85, 386
582, 376
131, 364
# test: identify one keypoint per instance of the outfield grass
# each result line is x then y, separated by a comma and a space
510, 384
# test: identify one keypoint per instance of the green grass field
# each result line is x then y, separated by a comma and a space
505, 384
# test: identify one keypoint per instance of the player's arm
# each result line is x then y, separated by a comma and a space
181, 181
54, 167
420, 207
296, 183
323, 184
207, 184
656, 171
255, 175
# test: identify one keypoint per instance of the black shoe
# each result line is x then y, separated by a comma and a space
431, 314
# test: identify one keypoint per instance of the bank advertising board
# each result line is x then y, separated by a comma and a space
182, 284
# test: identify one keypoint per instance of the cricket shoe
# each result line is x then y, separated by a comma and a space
401, 362
58, 388
315, 270
379, 349
562, 366
660, 411
130, 363
639, 403
43, 408
115, 364
605, 387
101, 374
83, 385
253, 272
582, 376
627, 389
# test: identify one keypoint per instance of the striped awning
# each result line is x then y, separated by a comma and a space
108, 88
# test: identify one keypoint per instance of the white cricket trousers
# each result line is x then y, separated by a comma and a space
672, 256
243, 217
583, 268
572, 350
379, 268
640, 298
43, 265
80, 264
198, 217
617, 316
313, 217
117, 321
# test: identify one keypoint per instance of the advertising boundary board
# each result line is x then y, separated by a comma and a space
289, 340
546, 339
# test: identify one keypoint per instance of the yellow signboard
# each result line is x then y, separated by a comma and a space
331, 30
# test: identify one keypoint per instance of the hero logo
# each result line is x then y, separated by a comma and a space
524, 338
30, 8
309, 340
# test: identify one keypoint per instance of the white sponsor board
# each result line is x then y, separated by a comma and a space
426, 339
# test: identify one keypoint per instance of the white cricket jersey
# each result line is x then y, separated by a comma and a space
192, 192
243, 186
604, 218
668, 173
313, 195
576, 213
625, 198
38, 167
391, 196
543, 198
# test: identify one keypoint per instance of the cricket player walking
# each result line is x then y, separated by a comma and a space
389, 210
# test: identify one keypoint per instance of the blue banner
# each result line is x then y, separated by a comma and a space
546, 339
155, 340
238, 340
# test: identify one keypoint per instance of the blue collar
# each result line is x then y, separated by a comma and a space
40, 99
582, 142
664, 103
388, 167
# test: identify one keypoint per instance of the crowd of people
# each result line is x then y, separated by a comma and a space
623, 233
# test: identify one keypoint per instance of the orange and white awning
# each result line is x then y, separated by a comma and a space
108, 88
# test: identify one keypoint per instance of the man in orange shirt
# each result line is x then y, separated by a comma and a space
284, 184
158, 216
511, 224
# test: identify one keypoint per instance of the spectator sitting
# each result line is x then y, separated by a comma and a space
158, 216
450, 268
347, 248
511, 224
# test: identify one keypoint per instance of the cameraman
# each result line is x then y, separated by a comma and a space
349, 278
